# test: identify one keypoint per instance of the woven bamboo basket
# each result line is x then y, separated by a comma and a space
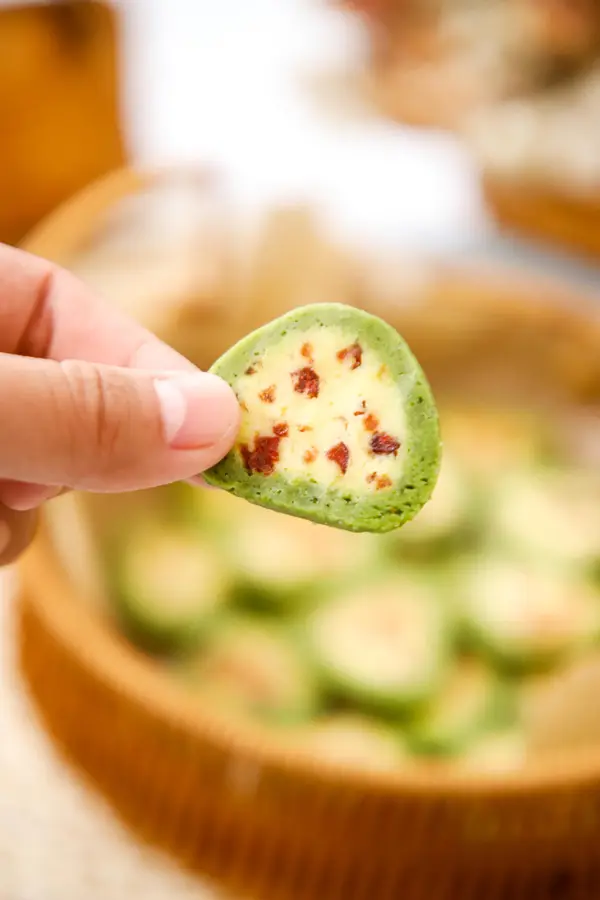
260, 819
568, 221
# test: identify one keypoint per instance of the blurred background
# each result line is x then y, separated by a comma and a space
206, 167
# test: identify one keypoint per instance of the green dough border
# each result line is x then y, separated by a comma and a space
304, 497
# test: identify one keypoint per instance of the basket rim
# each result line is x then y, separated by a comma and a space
99, 648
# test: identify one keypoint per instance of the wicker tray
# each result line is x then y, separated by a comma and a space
263, 821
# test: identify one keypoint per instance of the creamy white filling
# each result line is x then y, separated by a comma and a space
330, 437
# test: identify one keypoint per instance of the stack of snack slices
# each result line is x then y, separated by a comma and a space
375, 651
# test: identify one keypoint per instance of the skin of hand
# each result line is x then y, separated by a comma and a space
91, 401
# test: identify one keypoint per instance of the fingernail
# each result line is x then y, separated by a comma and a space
5, 537
197, 410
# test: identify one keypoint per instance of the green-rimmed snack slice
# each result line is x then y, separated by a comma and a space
446, 521
471, 699
551, 515
351, 740
169, 584
339, 424
527, 617
251, 668
285, 563
496, 752
384, 645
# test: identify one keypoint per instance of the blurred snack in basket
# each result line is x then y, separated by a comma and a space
288, 568
472, 701
383, 647
527, 617
169, 586
58, 106
254, 667
547, 514
421, 646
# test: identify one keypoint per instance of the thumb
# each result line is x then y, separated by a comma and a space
104, 428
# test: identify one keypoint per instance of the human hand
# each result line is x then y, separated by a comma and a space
92, 401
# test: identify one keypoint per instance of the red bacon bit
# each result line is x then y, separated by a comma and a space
372, 477
307, 352
352, 353
306, 381
362, 410
268, 395
384, 444
371, 423
251, 370
340, 455
304, 428
310, 455
264, 456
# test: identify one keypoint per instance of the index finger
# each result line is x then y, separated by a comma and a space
47, 312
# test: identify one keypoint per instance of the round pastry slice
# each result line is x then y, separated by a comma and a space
496, 752
339, 424
382, 646
169, 584
527, 617
284, 564
353, 741
254, 668
550, 515
471, 699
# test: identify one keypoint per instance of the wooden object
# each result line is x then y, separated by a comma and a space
60, 122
